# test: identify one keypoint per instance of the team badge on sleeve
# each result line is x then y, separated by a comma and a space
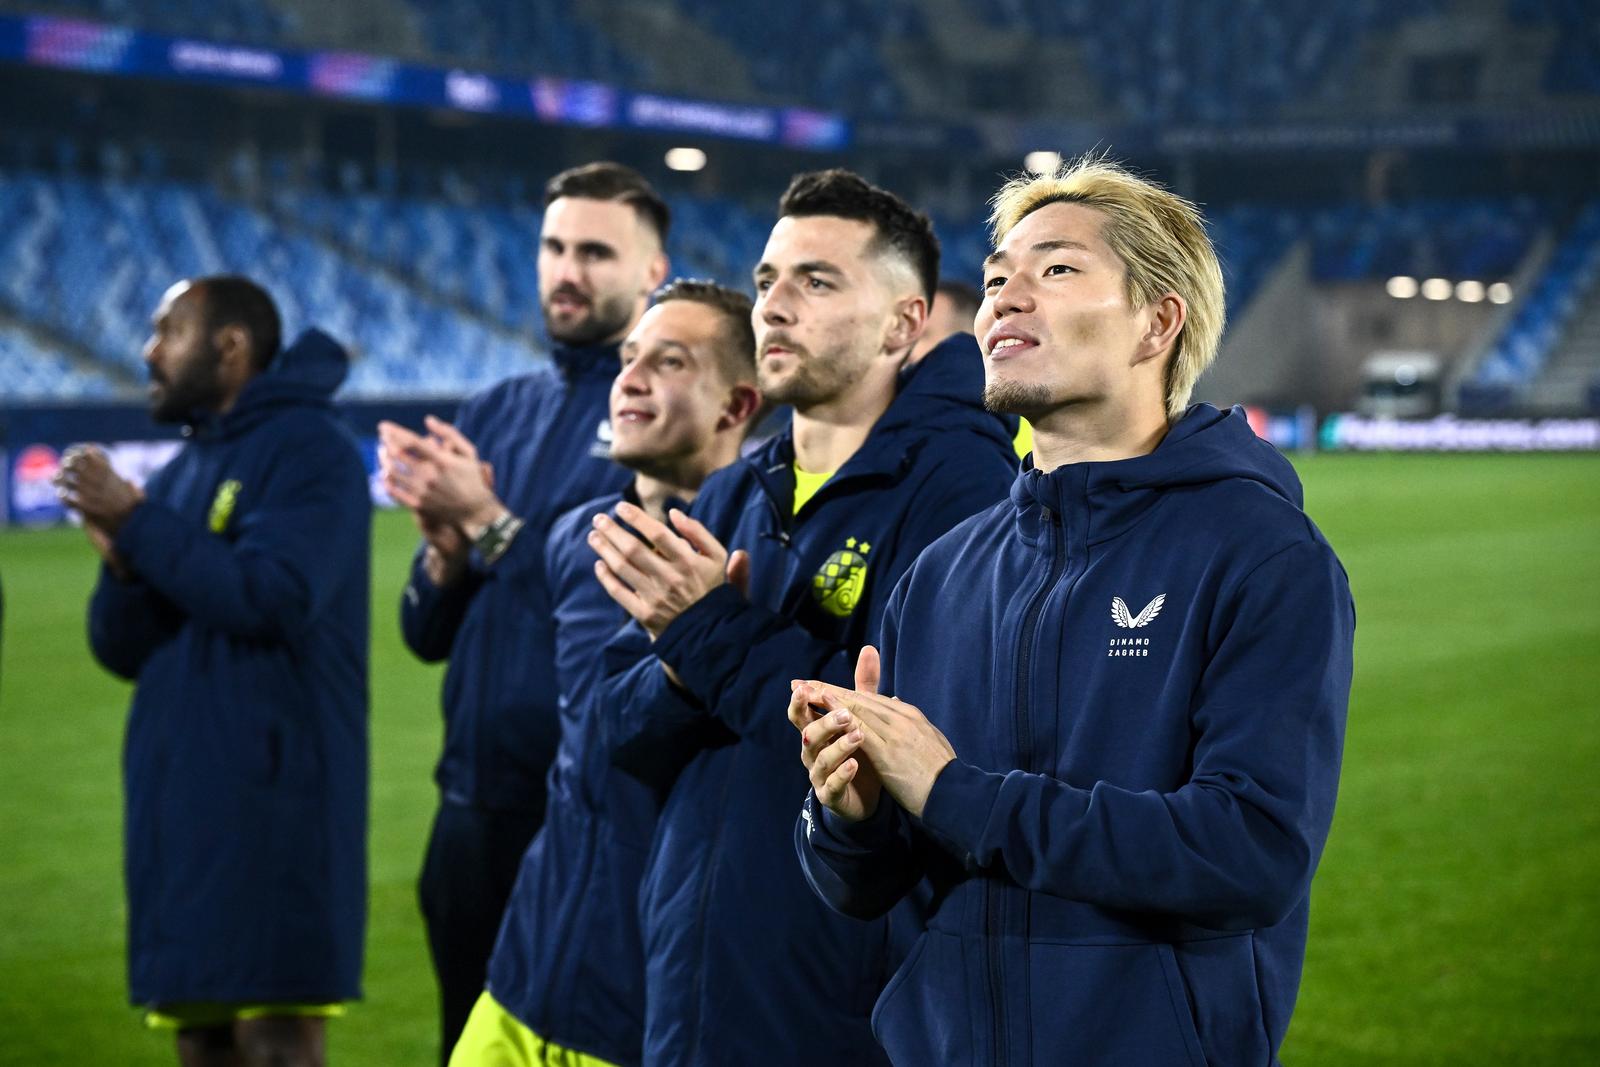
838, 583
222, 505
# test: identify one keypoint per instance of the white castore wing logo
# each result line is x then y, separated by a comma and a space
1120, 615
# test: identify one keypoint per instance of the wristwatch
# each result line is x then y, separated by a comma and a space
497, 537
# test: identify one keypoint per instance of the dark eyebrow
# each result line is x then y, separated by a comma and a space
811, 266
999, 256
631, 345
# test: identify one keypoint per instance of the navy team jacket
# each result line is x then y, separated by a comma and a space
547, 436
567, 962
1143, 667
742, 963
245, 763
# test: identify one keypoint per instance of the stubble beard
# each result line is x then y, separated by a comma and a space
815, 379
1027, 399
608, 317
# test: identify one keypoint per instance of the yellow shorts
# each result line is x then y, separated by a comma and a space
493, 1037
190, 1015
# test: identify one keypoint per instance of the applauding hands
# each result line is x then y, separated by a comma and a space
856, 744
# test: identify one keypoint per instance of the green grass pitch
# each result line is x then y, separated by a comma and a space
1456, 916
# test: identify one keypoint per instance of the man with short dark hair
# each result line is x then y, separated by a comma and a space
1098, 759
234, 594
476, 595
567, 975
742, 964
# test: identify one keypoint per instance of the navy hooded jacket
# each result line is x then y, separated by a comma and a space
742, 963
245, 764
547, 436
567, 962
1143, 667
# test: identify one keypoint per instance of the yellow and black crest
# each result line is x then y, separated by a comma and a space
838, 583
222, 505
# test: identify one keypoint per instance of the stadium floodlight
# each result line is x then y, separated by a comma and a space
1436, 289
1042, 162
1499, 293
1469, 292
1402, 287
686, 159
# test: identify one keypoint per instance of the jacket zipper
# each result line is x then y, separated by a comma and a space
698, 995
1025, 640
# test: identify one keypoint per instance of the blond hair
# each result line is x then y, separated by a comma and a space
1161, 240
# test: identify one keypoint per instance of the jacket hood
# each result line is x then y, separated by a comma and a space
945, 391
1203, 447
305, 374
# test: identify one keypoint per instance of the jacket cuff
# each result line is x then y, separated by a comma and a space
866, 835
691, 644
142, 525
958, 808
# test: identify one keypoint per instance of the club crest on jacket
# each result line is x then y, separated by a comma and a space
222, 505
838, 582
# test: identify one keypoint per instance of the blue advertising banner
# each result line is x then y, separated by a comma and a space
96, 48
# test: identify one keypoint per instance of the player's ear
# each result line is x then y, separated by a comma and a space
906, 322
1167, 315
232, 342
739, 407
656, 272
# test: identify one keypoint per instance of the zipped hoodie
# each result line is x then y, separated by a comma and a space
567, 961
1143, 667
245, 763
547, 436
742, 963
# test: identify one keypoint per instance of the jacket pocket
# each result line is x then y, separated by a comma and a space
923, 1015
1218, 977
1114, 1003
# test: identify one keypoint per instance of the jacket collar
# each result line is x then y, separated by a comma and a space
585, 361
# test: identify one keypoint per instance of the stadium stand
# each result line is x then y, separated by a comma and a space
514, 35
1261, 54
1482, 240
434, 296
91, 258
1574, 63
1567, 285
30, 372
1263, 58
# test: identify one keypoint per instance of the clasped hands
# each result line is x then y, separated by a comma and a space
87, 484
655, 572
856, 744
447, 488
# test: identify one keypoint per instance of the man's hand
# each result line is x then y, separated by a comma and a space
438, 476
655, 582
87, 484
107, 551
905, 750
830, 746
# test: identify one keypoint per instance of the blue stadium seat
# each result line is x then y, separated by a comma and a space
31, 374
1536, 328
